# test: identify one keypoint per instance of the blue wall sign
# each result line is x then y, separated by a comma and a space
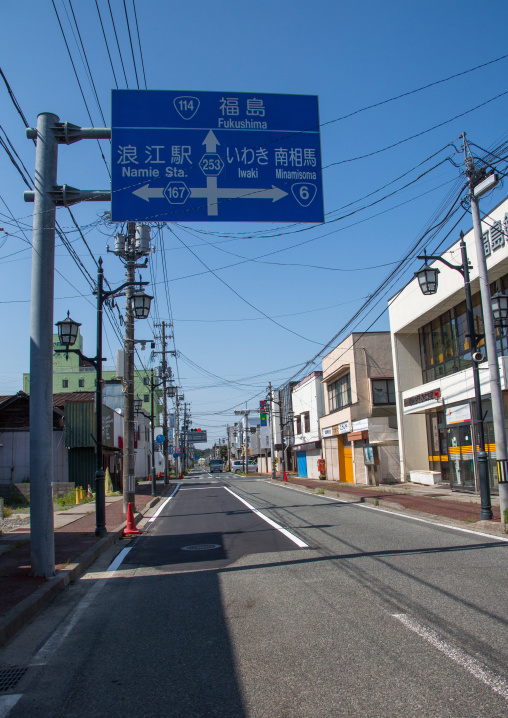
215, 156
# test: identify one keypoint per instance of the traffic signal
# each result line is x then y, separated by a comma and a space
262, 413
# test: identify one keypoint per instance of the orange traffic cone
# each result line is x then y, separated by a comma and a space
130, 529
285, 476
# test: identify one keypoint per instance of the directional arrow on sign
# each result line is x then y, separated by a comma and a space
212, 193
274, 193
147, 193
210, 142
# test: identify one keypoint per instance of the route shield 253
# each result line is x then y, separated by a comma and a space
215, 156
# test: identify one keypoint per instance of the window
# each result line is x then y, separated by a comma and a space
65, 383
306, 421
146, 381
298, 424
339, 393
146, 397
81, 382
383, 391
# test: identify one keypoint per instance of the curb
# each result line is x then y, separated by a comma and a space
31, 606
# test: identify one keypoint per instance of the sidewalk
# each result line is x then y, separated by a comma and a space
438, 500
22, 596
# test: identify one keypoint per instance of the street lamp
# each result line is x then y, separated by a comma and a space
138, 403
67, 334
140, 303
68, 331
427, 278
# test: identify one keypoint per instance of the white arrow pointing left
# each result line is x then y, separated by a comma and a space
147, 193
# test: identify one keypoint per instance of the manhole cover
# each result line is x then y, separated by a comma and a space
201, 547
9, 677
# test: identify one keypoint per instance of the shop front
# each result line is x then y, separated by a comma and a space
452, 438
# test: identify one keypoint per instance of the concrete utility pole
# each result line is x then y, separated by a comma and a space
165, 405
476, 182
272, 427
130, 248
152, 437
129, 488
47, 195
177, 442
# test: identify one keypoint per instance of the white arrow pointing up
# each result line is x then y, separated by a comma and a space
211, 142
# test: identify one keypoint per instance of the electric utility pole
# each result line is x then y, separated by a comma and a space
272, 425
165, 406
479, 183
130, 248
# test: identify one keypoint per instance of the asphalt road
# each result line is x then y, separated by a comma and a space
350, 611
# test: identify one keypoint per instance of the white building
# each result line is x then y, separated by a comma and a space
432, 365
308, 406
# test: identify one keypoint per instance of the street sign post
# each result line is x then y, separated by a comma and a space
215, 156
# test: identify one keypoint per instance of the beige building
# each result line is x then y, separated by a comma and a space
359, 427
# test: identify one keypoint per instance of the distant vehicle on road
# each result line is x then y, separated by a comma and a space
238, 465
216, 465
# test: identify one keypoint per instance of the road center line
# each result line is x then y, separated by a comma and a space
152, 518
289, 535
480, 671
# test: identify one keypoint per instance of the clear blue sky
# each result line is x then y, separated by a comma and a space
352, 55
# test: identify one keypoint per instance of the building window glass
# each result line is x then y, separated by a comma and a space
445, 345
306, 418
65, 383
339, 393
298, 424
146, 381
383, 391
146, 397
81, 382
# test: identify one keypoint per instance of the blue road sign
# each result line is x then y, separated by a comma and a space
215, 156
160, 438
176, 455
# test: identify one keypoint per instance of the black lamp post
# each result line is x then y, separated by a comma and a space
67, 334
428, 280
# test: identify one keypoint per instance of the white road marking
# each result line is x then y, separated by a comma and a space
289, 535
56, 638
480, 671
398, 513
7, 703
59, 635
118, 560
200, 488
152, 518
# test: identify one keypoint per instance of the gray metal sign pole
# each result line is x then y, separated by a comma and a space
47, 195
42, 541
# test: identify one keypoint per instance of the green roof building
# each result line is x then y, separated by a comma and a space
75, 374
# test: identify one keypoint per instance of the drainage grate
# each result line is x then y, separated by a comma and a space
201, 547
9, 678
